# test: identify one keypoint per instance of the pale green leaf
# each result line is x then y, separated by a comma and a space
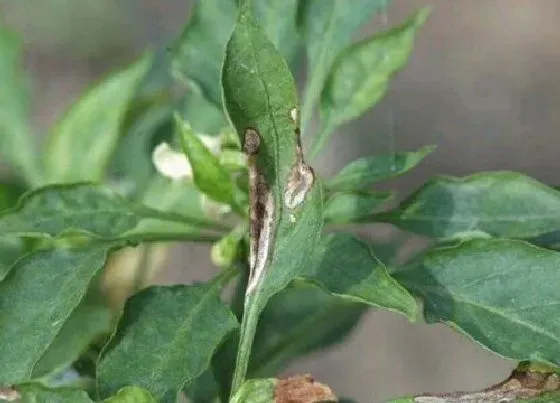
256, 391
345, 266
57, 210
31, 314
300, 320
502, 204
91, 319
360, 75
328, 26
209, 175
260, 93
16, 142
35, 393
82, 143
364, 172
502, 293
165, 339
132, 394
11, 247
346, 207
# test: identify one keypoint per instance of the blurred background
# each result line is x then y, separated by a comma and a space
483, 84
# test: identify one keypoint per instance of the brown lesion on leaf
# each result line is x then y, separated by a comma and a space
520, 385
302, 389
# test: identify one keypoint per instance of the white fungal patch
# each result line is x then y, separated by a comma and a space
294, 115
299, 184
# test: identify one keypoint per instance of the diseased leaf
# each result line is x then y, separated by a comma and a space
360, 75
209, 175
364, 172
57, 210
502, 204
16, 145
35, 393
256, 391
502, 293
345, 266
260, 95
349, 207
132, 394
328, 26
28, 305
165, 339
298, 321
89, 320
81, 145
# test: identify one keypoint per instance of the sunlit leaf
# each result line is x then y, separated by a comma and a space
255, 391
131, 395
504, 204
82, 143
28, 305
502, 293
165, 338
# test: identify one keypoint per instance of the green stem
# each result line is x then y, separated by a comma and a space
246, 338
189, 220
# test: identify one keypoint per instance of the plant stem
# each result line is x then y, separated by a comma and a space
247, 335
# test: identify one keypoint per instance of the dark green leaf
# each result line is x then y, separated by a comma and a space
11, 247
360, 75
298, 321
348, 207
328, 26
260, 93
502, 293
199, 51
16, 143
89, 320
364, 172
165, 339
345, 266
91, 209
35, 393
132, 395
504, 204
31, 313
256, 391
208, 174
81, 145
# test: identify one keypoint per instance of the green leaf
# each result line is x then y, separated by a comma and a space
544, 398
279, 19
345, 266
360, 75
91, 319
349, 207
202, 115
81, 145
501, 204
199, 52
364, 172
502, 293
165, 339
11, 247
209, 175
260, 93
35, 393
300, 320
328, 26
260, 98
256, 391
16, 143
28, 305
132, 395
57, 210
